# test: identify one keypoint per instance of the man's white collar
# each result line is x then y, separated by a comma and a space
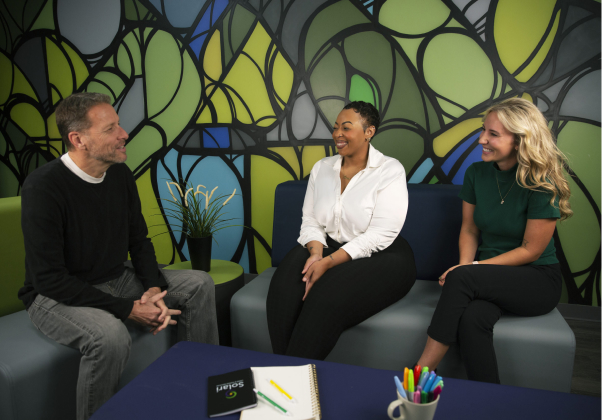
68, 162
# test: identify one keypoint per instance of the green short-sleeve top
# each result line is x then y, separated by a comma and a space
503, 226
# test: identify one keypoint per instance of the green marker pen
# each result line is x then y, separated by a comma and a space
272, 403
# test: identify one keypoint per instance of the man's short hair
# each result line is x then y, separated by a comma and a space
72, 113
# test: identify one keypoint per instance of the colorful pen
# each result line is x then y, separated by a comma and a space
432, 377
417, 370
424, 397
399, 385
411, 382
272, 403
282, 391
423, 378
425, 369
417, 397
405, 378
433, 384
436, 392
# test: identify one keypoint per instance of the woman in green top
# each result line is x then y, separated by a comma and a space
512, 201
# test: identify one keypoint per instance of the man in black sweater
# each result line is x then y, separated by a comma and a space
81, 215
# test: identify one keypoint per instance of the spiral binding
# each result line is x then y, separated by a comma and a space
315, 397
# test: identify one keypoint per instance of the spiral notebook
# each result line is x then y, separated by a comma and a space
300, 382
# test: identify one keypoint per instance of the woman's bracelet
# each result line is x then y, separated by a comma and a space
475, 262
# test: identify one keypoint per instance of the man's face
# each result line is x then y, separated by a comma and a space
105, 139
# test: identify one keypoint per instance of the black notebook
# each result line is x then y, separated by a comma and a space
230, 392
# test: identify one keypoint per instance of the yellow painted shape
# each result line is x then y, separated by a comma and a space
157, 230
527, 97
288, 154
212, 61
59, 72
410, 47
81, 71
56, 147
257, 46
56, 96
53, 147
534, 65
29, 119
265, 176
240, 112
498, 87
450, 108
114, 82
282, 78
209, 87
518, 28
245, 79
453, 23
53, 130
205, 117
222, 107
446, 141
311, 154
145, 143
99, 88
21, 85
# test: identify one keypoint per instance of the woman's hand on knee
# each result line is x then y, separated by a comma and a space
444, 275
312, 259
314, 272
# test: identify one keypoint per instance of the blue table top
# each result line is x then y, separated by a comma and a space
175, 387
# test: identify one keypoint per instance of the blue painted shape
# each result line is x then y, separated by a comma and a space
197, 44
218, 8
171, 161
421, 172
204, 24
213, 172
371, 10
474, 156
216, 137
182, 13
451, 160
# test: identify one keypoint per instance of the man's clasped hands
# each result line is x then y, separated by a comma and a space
151, 311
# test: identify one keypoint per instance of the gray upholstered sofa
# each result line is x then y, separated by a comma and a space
37, 375
533, 352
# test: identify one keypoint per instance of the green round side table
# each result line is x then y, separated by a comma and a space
228, 278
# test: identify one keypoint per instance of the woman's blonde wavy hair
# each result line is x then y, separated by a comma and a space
540, 162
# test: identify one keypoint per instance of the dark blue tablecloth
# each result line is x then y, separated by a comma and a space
175, 387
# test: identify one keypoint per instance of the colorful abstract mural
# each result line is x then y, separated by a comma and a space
243, 94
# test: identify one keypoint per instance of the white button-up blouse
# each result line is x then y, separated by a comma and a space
368, 215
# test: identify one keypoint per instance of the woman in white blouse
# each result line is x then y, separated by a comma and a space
350, 263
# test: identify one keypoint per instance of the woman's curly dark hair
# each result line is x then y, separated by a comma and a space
368, 113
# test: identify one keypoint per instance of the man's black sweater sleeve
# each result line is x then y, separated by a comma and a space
42, 219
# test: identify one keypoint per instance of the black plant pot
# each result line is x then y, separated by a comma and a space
200, 252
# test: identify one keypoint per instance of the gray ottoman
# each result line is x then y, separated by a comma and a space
38, 376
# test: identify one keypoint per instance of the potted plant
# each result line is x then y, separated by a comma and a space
201, 216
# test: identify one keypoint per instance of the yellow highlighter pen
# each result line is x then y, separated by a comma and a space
288, 396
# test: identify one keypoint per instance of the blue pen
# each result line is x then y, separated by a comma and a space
430, 381
438, 380
433, 385
402, 391
423, 378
